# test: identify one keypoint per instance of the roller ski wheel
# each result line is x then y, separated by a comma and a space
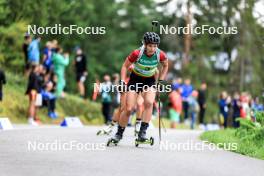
112, 141
148, 141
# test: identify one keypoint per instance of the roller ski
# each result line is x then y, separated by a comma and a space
118, 136
107, 130
142, 139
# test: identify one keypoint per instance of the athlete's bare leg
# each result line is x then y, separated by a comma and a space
131, 100
149, 98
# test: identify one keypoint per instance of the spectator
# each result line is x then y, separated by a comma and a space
117, 95
175, 107
236, 105
55, 45
186, 93
105, 89
177, 84
47, 57
47, 92
229, 111
27, 40
60, 61
245, 108
223, 107
256, 105
202, 95
2, 82
49, 99
81, 71
194, 107
96, 89
33, 88
33, 51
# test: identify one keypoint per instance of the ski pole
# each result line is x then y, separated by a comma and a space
159, 114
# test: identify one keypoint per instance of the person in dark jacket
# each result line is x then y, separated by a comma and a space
81, 71
27, 40
223, 107
202, 95
33, 88
236, 105
187, 89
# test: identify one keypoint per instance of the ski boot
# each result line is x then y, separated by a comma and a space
142, 139
118, 136
107, 130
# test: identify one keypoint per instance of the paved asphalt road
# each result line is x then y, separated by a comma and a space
90, 157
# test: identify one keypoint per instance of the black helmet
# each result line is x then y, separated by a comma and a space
151, 37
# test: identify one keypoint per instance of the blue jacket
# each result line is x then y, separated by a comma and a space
33, 51
186, 91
